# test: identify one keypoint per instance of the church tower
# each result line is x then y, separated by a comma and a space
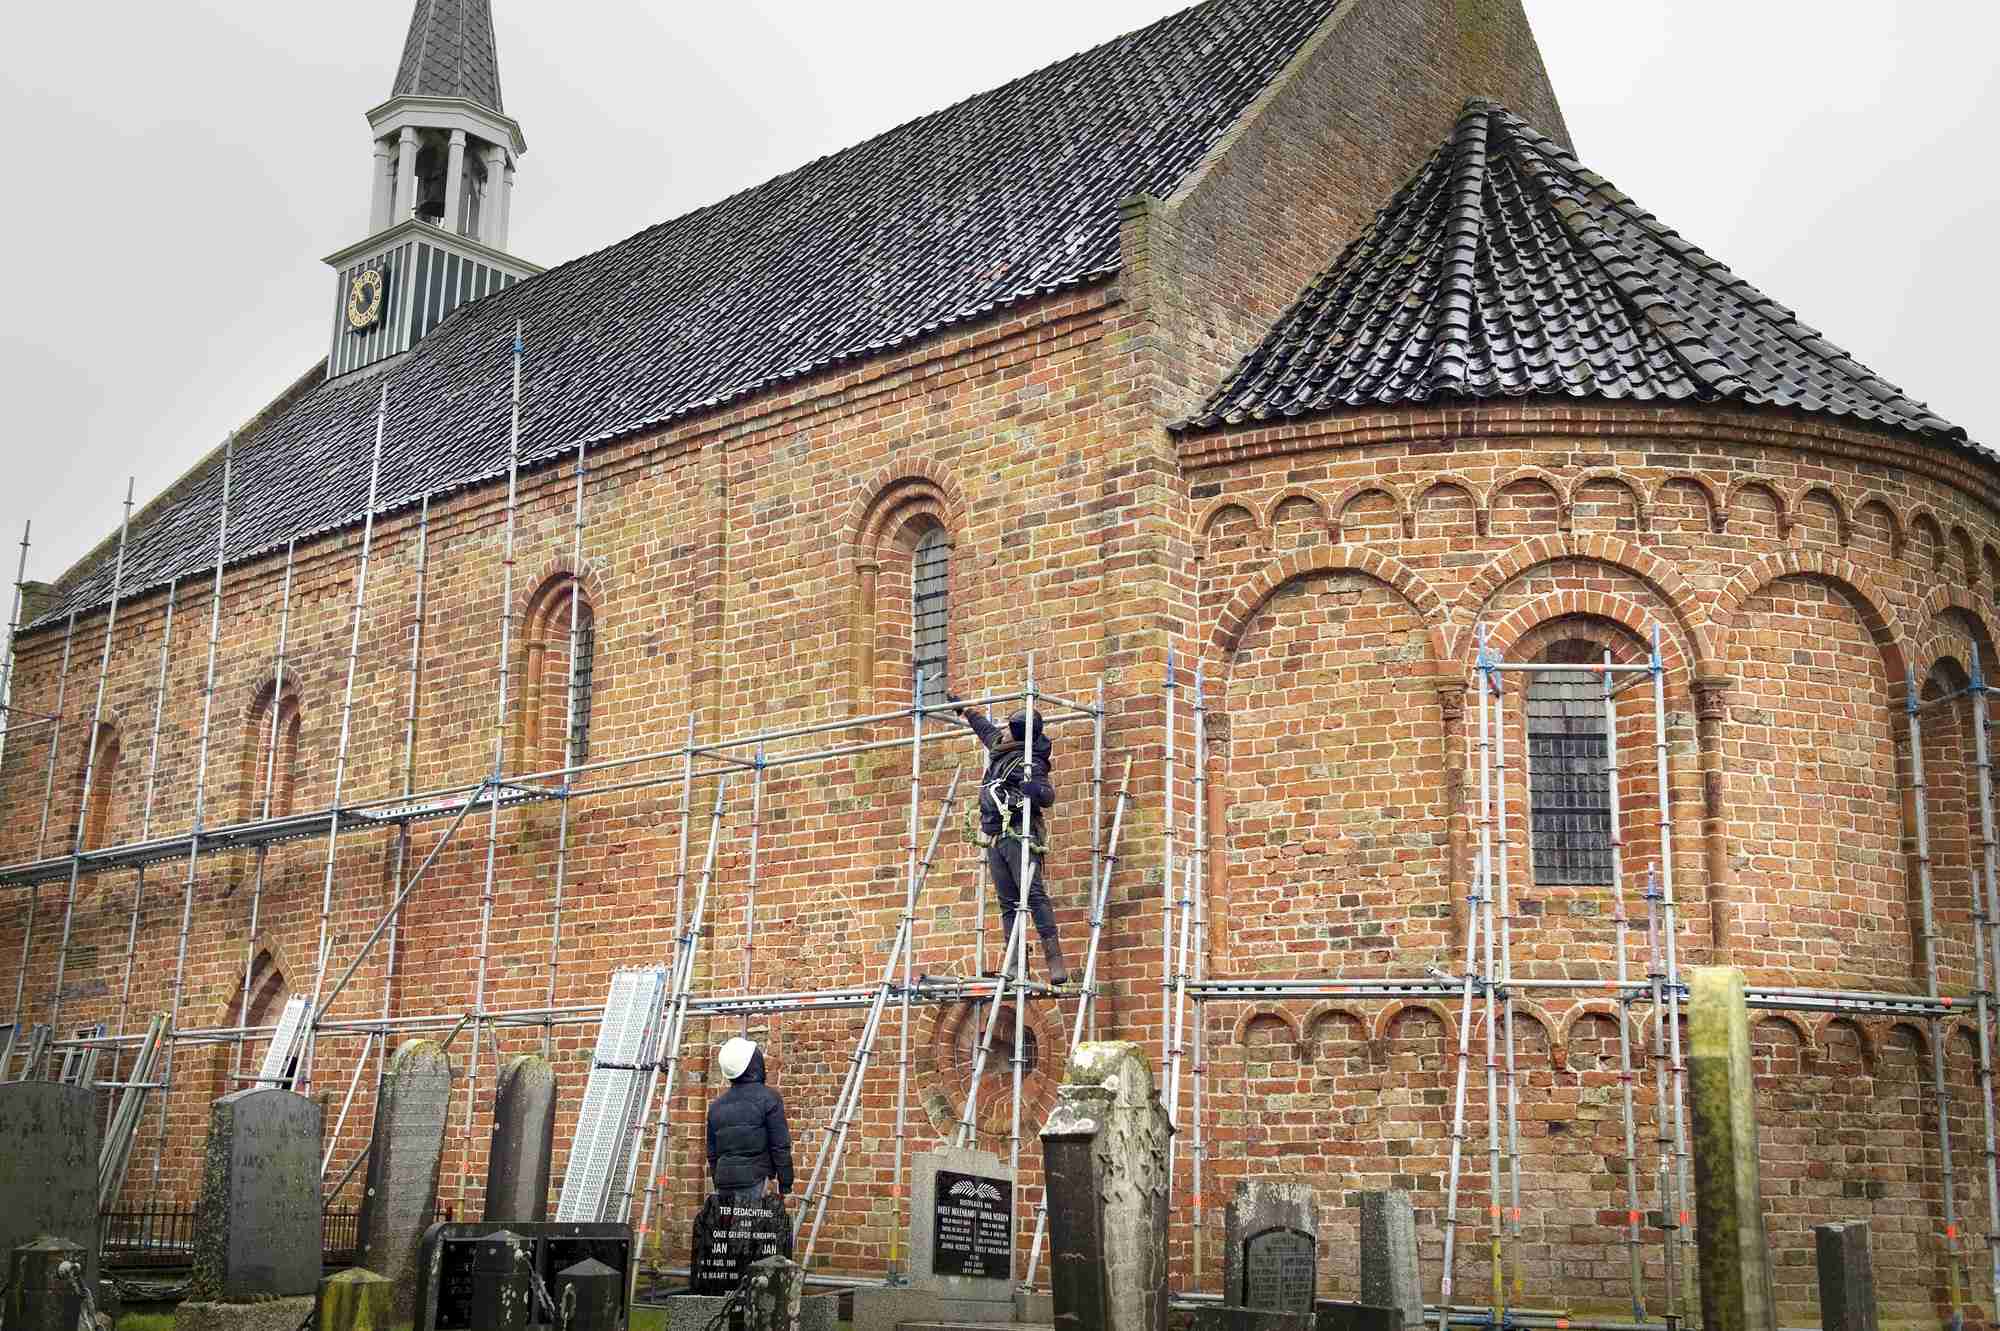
443, 181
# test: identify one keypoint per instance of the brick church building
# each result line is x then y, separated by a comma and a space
1282, 340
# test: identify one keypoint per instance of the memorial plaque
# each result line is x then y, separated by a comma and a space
1280, 1271
974, 1226
729, 1235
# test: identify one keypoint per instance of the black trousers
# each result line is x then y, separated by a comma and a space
1003, 861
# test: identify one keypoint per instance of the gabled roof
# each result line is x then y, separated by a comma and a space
1506, 269
450, 53
999, 199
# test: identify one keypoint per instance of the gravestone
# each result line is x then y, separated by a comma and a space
48, 1167
732, 1233
1336, 1315
403, 1165
1389, 1274
961, 1245
1271, 1249
257, 1236
1104, 1150
1846, 1277
772, 1303
1733, 1253
356, 1300
524, 1128
451, 1253
44, 1290
503, 1287
589, 1296
1226, 1317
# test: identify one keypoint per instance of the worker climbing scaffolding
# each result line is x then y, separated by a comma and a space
1014, 794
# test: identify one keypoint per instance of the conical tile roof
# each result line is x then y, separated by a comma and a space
1505, 268
450, 53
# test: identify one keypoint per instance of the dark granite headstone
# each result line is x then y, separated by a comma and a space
1271, 1246
1224, 1317
445, 1275
589, 1296
524, 1129
1389, 1272
48, 1167
503, 1291
259, 1219
1337, 1316
1846, 1277
403, 1165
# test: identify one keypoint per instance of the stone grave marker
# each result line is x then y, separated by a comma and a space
1389, 1274
1104, 1149
1271, 1249
524, 1128
48, 1167
1230, 1318
355, 1300
1733, 1252
961, 1245
1846, 1277
403, 1165
258, 1236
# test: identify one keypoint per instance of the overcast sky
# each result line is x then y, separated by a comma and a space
178, 168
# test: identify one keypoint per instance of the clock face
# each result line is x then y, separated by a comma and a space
364, 300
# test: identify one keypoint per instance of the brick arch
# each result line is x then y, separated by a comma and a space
1899, 533
1239, 1034
1915, 1028
1477, 493
1856, 585
1212, 516
1656, 573
1268, 519
1317, 1015
1552, 1030
1843, 517
1269, 580
558, 572
1718, 513
873, 513
1918, 516
1862, 1035
1398, 502
1569, 602
1385, 1020
1602, 475
1778, 499
1939, 603
1598, 1008
1541, 476
1809, 1045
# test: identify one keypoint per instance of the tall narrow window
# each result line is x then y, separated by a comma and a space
1568, 780
582, 672
104, 768
930, 609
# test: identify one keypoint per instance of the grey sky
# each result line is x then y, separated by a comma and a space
178, 168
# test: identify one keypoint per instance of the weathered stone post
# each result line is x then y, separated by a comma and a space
1846, 1276
1731, 1247
403, 1161
356, 1300
43, 1279
524, 1128
1389, 1275
1104, 1153
776, 1286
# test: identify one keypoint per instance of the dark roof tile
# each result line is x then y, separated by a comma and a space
1505, 268
450, 52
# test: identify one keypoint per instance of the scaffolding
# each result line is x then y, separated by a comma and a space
1485, 989
691, 766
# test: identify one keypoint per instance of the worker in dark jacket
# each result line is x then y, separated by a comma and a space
749, 1143
1013, 795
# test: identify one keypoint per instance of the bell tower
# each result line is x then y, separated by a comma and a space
441, 189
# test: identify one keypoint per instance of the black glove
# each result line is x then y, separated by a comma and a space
957, 703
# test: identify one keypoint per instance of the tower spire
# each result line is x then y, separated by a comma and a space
450, 52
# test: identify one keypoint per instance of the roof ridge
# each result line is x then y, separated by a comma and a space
1464, 237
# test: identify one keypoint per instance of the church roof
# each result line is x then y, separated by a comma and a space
1004, 197
450, 53
1504, 268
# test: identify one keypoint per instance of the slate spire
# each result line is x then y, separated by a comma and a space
450, 53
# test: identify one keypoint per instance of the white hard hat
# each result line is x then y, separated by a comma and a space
736, 1056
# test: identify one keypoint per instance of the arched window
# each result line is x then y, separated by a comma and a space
549, 675
930, 610
270, 777
103, 772
1569, 779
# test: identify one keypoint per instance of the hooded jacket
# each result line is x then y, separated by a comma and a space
748, 1138
1005, 778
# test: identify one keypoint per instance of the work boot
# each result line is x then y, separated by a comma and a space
1052, 952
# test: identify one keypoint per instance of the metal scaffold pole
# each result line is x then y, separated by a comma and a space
273, 739
145, 816
13, 641
323, 954
750, 879
1489, 687
570, 755
1635, 1256
1167, 826
1940, 1087
1986, 919
1470, 982
907, 942
499, 767
92, 743
1511, 1228
415, 671
1029, 871
1683, 1181
41, 844
1200, 948
200, 805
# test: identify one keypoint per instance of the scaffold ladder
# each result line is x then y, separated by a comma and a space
626, 1038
